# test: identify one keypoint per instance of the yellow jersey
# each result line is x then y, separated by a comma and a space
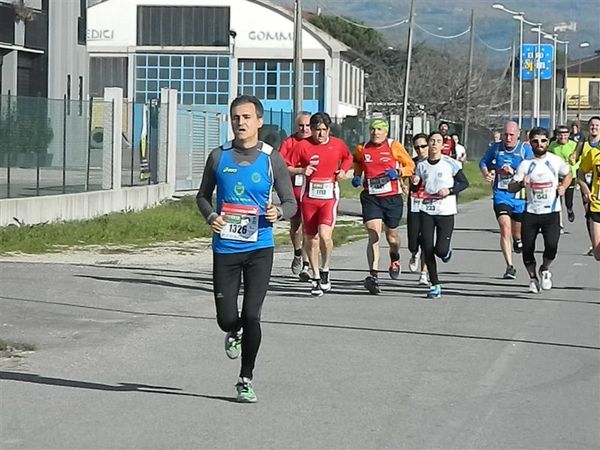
590, 163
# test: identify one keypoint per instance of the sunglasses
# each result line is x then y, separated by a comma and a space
421, 146
539, 141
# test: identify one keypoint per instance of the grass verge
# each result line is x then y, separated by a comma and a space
171, 221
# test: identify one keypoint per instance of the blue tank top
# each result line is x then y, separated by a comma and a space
243, 193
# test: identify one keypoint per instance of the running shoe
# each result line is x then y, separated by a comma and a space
304, 274
245, 391
424, 279
570, 215
325, 282
413, 264
394, 270
448, 256
435, 291
518, 246
534, 286
233, 344
372, 285
562, 230
546, 277
590, 252
510, 274
296, 265
315, 288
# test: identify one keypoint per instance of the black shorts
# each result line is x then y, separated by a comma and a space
389, 208
505, 210
594, 216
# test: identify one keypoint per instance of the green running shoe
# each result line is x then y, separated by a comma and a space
245, 391
233, 344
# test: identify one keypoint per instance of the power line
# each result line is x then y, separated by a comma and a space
360, 25
440, 36
492, 48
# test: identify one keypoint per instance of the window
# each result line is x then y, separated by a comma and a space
183, 26
82, 22
7, 24
273, 80
195, 83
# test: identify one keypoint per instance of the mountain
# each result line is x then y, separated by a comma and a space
494, 28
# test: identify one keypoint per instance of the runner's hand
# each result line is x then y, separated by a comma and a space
271, 213
444, 192
415, 180
526, 180
490, 177
340, 174
309, 170
572, 158
392, 174
561, 190
356, 181
217, 224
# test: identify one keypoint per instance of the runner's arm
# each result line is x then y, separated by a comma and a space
358, 160
460, 183
585, 166
402, 156
283, 187
207, 187
486, 160
517, 182
346, 159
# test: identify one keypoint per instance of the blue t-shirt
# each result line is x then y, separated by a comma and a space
243, 193
496, 158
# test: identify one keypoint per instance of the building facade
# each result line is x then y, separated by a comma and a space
42, 48
213, 50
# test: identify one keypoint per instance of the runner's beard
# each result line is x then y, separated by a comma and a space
539, 152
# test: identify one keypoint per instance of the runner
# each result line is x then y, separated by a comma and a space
413, 217
540, 178
497, 166
383, 162
442, 179
244, 172
590, 164
566, 149
300, 260
449, 146
461, 151
583, 147
325, 160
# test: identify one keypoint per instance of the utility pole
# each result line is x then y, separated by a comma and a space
411, 24
554, 74
469, 73
512, 81
298, 64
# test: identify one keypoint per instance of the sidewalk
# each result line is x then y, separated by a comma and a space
130, 356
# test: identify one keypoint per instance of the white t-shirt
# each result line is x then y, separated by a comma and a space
544, 173
461, 153
435, 177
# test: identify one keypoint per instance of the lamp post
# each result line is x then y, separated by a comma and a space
583, 44
411, 22
518, 16
555, 42
537, 78
298, 64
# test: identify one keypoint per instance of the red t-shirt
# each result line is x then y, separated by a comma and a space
449, 148
328, 158
286, 149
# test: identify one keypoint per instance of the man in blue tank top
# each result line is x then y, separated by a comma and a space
497, 166
244, 172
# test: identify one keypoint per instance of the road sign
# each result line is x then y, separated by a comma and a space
528, 69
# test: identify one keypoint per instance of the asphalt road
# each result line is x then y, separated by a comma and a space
132, 358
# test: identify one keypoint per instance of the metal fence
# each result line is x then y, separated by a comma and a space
47, 146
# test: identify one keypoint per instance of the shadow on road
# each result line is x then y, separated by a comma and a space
119, 387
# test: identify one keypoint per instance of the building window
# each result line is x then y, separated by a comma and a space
7, 24
107, 72
180, 26
199, 79
82, 23
273, 80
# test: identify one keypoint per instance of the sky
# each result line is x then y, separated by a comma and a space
495, 30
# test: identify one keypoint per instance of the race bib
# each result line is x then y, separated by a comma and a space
588, 178
503, 181
298, 180
379, 185
542, 192
241, 222
415, 203
321, 189
431, 206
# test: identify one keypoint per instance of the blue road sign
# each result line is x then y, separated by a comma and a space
528, 69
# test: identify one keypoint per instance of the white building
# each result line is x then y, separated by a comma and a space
213, 50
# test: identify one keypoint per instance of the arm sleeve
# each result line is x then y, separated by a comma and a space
207, 186
402, 156
460, 182
487, 159
283, 186
346, 157
358, 160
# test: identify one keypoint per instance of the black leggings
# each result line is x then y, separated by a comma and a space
569, 194
436, 232
533, 224
413, 231
227, 275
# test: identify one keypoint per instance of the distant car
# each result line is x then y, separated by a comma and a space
574, 101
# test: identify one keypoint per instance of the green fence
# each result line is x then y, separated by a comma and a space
46, 146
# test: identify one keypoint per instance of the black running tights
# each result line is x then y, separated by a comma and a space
413, 231
228, 268
533, 224
436, 234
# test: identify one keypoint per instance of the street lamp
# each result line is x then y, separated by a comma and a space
537, 79
555, 41
583, 44
519, 16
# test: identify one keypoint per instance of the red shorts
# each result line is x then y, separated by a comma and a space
318, 212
